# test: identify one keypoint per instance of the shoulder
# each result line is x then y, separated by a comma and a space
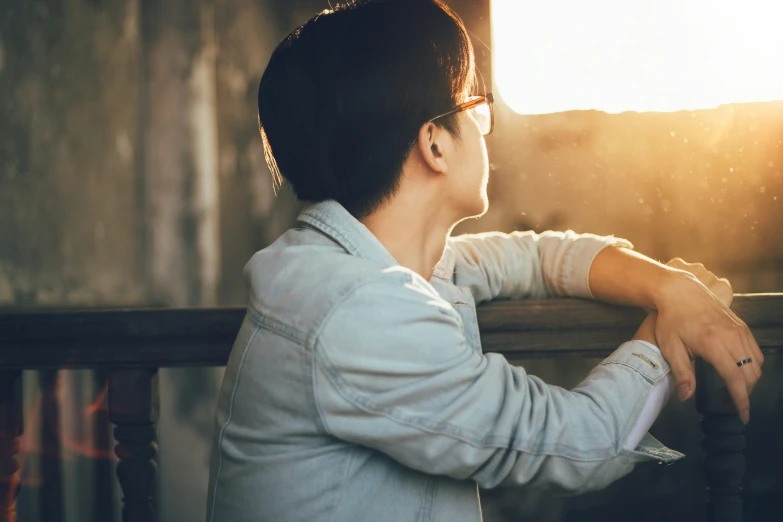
391, 295
304, 284
397, 321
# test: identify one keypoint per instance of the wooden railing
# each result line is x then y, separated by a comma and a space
130, 345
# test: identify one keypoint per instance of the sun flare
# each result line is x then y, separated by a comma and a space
648, 55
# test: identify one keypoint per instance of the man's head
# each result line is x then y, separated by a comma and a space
348, 97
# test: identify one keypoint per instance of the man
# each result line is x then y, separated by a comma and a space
357, 388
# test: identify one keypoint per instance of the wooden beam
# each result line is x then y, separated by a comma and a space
154, 338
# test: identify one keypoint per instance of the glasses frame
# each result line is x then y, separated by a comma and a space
477, 100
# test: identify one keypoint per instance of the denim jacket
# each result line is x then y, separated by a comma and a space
358, 391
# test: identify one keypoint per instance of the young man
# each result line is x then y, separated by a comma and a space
357, 388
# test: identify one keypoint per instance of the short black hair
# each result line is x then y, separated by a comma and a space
344, 95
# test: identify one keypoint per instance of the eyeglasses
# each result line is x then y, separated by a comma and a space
480, 107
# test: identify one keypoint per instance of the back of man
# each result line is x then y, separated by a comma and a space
274, 456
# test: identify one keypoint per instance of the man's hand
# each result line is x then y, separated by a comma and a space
646, 331
694, 320
720, 287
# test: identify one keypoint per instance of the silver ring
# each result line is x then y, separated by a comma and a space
745, 361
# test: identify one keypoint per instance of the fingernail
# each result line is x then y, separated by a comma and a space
683, 390
745, 416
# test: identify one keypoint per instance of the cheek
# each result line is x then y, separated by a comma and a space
480, 160
484, 158
472, 159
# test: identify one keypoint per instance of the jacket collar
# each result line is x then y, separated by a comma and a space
330, 218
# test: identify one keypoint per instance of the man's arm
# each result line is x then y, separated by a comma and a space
525, 264
692, 321
392, 371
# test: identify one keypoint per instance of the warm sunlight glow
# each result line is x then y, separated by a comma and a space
643, 55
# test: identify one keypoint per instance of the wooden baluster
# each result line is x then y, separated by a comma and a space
50, 500
133, 409
10, 431
723, 444
103, 505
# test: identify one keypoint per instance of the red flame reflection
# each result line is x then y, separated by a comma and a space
44, 413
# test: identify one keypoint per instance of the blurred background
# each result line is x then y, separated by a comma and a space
132, 175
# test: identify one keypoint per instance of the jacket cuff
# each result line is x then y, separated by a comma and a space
642, 358
650, 449
646, 359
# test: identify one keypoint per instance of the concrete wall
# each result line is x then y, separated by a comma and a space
131, 174
69, 133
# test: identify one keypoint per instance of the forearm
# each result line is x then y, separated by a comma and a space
622, 276
526, 265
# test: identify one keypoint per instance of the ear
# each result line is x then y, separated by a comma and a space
432, 142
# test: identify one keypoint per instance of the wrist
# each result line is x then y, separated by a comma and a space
670, 284
646, 331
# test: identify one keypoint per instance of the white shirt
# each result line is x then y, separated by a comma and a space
652, 406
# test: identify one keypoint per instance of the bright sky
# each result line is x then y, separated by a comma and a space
636, 55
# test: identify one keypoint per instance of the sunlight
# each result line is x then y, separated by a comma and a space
649, 55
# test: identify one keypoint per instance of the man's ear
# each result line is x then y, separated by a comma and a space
431, 143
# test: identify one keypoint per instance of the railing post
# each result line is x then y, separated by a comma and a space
133, 409
723, 464
50, 501
10, 431
103, 505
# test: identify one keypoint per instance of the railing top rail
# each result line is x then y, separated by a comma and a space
204, 336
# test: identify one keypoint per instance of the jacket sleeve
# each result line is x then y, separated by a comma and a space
527, 265
393, 371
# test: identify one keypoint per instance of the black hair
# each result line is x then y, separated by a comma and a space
344, 96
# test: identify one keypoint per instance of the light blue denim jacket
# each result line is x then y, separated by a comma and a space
358, 391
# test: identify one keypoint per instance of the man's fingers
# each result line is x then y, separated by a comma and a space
741, 345
754, 349
739, 350
751, 348
680, 363
734, 379
733, 343
736, 342
751, 379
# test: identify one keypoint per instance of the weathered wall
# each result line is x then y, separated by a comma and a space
131, 174
69, 134
69, 216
